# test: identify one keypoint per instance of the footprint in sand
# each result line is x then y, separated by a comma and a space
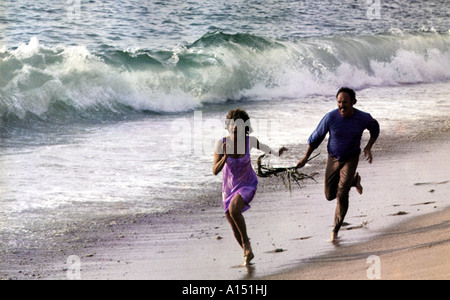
424, 203
430, 183
302, 238
399, 213
277, 250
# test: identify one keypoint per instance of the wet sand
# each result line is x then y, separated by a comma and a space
416, 248
401, 218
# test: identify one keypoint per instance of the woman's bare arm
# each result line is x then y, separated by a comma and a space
220, 157
255, 143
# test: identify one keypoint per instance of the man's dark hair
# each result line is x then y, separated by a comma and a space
349, 91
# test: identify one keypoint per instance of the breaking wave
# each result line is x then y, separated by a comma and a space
70, 82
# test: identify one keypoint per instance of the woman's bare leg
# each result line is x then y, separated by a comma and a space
236, 232
235, 211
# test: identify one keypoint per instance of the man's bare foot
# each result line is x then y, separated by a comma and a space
358, 185
334, 237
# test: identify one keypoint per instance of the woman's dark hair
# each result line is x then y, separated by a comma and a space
350, 92
240, 114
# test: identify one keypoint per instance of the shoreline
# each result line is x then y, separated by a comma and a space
199, 242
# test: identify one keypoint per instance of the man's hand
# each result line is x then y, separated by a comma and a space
304, 160
368, 154
302, 163
368, 150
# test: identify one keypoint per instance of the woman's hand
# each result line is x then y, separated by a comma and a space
224, 149
282, 150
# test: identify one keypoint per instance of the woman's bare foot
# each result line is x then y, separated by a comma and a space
248, 253
248, 258
358, 185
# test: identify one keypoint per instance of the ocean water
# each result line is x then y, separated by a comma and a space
113, 107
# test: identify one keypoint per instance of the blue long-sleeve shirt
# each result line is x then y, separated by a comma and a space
345, 133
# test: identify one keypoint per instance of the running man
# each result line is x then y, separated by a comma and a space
345, 126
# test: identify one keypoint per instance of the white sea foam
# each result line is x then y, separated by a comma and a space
70, 81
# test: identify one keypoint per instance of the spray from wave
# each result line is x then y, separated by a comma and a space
65, 83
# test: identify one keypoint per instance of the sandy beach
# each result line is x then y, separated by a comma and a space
401, 220
417, 249
110, 112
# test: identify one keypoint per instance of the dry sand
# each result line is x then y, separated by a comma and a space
416, 249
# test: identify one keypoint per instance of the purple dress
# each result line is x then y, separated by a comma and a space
239, 178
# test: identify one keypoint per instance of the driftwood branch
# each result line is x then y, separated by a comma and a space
287, 174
